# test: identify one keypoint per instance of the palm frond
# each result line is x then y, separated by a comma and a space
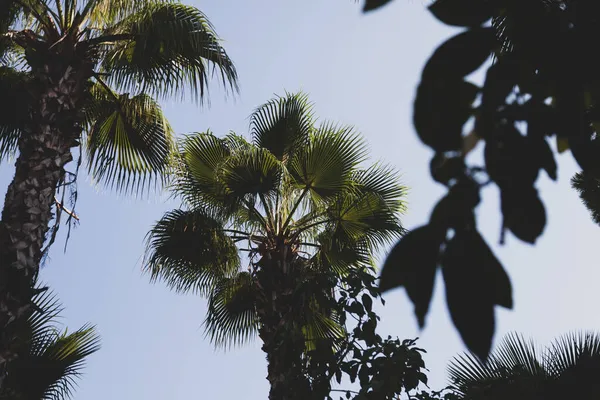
189, 251
338, 253
573, 351
231, 318
326, 164
172, 48
283, 124
103, 14
588, 188
196, 181
319, 327
50, 361
250, 173
129, 142
15, 109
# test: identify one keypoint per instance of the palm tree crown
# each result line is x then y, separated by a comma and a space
130, 53
518, 369
296, 202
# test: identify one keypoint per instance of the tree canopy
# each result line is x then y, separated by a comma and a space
539, 97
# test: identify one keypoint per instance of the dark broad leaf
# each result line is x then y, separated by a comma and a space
462, 12
338, 376
455, 210
371, 5
468, 294
364, 375
460, 55
412, 263
443, 169
508, 158
500, 81
497, 278
367, 302
541, 150
451, 103
523, 212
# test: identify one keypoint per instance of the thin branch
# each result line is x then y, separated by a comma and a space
67, 211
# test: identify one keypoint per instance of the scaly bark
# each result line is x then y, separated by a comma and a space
280, 330
57, 91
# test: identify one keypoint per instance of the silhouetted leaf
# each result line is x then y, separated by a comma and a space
468, 294
498, 280
462, 12
508, 159
367, 302
371, 5
541, 149
523, 212
455, 210
451, 103
500, 81
412, 263
461, 55
443, 169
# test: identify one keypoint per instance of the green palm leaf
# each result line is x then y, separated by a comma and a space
325, 166
282, 125
190, 252
172, 47
200, 156
129, 140
250, 173
50, 361
231, 318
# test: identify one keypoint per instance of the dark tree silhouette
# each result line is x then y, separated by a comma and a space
543, 85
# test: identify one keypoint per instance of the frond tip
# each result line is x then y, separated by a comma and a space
50, 360
190, 251
130, 141
173, 48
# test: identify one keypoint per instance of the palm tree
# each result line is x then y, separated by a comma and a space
49, 360
588, 188
96, 67
517, 369
269, 227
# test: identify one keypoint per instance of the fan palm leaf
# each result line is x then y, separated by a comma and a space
50, 360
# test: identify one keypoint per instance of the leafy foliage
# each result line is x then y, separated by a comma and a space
297, 203
126, 53
381, 368
517, 369
541, 87
50, 359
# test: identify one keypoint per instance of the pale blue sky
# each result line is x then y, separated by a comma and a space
360, 70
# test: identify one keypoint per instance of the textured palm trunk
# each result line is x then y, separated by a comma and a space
283, 340
57, 91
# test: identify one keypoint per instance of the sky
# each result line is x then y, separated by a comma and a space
359, 70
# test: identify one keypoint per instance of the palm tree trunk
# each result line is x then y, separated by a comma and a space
57, 91
283, 339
